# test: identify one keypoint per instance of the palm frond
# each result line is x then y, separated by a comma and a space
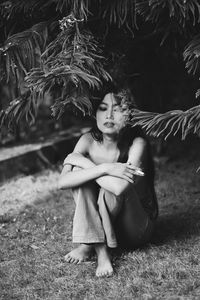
169, 123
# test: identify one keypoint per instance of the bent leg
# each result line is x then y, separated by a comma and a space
109, 207
134, 226
87, 225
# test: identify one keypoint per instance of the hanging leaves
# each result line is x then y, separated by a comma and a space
72, 63
171, 17
169, 123
21, 52
181, 10
192, 54
120, 12
23, 107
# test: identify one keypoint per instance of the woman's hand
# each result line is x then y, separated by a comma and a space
123, 170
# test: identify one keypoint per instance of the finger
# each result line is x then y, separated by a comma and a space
129, 173
135, 171
134, 168
128, 178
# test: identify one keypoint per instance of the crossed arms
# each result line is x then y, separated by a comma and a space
114, 177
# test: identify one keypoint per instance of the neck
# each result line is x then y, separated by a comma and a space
110, 142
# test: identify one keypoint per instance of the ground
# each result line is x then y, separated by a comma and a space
35, 234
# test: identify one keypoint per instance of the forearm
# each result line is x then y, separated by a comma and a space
112, 184
76, 178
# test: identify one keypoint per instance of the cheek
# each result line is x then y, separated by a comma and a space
99, 119
121, 120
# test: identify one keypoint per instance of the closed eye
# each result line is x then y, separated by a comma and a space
102, 108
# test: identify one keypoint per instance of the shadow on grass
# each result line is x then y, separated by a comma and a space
177, 226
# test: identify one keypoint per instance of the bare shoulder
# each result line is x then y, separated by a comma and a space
86, 138
137, 151
84, 143
139, 142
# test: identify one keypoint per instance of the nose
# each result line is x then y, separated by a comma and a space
110, 114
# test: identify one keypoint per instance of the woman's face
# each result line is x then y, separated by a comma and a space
109, 116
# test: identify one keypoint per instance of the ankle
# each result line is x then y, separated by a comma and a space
101, 250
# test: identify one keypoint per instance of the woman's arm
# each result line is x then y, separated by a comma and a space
117, 175
136, 157
70, 178
114, 177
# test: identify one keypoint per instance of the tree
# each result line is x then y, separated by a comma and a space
63, 53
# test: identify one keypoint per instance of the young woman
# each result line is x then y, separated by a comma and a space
111, 175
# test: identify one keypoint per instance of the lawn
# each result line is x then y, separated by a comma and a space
35, 234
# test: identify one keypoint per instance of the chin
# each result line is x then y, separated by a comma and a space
110, 131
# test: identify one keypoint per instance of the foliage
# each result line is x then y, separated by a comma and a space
59, 55
169, 123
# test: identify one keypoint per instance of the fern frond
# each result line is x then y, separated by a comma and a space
79, 8
180, 10
192, 55
81, 103
23, 7
120, 12
169, 123
21, 52
23, 107
171, 18
72, 62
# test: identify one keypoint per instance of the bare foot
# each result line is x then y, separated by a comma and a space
78, 255
104, 267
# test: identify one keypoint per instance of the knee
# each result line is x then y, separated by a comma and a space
109, 201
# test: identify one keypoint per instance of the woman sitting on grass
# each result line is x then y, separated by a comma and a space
111, 175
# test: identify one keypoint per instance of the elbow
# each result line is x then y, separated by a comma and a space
61, 185
118, 192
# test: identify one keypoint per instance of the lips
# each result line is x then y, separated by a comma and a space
109, 124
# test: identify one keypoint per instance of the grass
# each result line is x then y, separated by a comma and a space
35, 237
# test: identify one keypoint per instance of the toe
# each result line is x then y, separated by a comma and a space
73, 260
67, 258
76, 261
79, 261
70, 260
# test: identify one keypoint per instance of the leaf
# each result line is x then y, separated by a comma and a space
168, 123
